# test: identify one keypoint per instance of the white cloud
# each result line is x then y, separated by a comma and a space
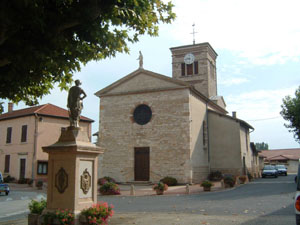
262, 32
261, 109
233, 81
259, 104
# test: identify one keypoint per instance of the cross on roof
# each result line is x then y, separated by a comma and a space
193, 33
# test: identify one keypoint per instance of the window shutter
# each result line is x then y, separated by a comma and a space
182, 69
189, 69
196, 67
24, 133
8, 135
7, 163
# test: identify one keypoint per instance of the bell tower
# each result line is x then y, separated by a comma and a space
196, 64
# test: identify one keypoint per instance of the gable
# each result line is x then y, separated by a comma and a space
142, 81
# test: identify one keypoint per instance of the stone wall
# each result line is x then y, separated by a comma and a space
167, 135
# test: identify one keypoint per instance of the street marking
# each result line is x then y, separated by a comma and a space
9, 199
14, 213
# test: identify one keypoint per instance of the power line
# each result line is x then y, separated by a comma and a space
271, 118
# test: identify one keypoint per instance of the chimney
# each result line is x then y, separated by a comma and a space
234, 114
10, 107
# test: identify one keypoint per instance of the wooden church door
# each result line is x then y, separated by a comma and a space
141, 164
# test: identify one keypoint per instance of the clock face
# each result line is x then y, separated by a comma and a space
189, 58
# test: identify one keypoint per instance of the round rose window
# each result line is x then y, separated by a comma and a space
142, 114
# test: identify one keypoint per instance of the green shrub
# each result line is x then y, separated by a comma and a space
170, 181
37, 207
30, 182
8, 179
109, 188
22, 181
39, 183
215, 176
206, 183
229, 180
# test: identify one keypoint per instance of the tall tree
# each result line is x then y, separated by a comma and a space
291, 112
43, 42
262, 146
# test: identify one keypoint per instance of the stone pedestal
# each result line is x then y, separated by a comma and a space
72, 172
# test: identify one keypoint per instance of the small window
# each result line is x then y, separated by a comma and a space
42, 168
8, 135
7, 162
189, 69
24, 133
196, 67
182, 69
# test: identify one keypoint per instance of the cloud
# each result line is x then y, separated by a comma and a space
233, 81
258, 105
261, 32
261, 109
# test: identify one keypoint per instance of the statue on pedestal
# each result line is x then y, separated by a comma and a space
75, 105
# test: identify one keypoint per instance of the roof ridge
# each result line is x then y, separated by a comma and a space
41, 107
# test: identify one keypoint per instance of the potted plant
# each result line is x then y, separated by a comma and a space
229, 181
105, 179
30, 182
242, 179
96, 214
170, 181
39, 184
59, 217
160, 187
36, 208
206, 185
109, 188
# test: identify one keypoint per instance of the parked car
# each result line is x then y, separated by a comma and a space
269, 171
281, 170
3, 187
297, 198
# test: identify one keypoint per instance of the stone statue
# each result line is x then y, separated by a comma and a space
140, 58
75, 105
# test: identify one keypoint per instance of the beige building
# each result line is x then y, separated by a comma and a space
288, 157
152, 126
24, 132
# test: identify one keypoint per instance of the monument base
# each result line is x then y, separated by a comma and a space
72, 172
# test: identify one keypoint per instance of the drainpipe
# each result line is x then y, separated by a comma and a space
208, 150
34, 146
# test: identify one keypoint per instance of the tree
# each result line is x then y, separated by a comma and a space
291, 112
261, 146
45, 42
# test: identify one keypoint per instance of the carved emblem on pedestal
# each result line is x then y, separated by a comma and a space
61, 180
85, 181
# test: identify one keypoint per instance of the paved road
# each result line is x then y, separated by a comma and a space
262, 202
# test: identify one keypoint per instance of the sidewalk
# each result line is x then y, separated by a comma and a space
142, 190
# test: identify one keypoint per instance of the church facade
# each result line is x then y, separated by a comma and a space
152, 126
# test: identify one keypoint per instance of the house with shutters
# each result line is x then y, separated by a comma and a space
24, 132
152, 126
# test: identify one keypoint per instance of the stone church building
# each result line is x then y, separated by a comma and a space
152, 126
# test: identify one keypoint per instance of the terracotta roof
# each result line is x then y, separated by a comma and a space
281, 154
42, 110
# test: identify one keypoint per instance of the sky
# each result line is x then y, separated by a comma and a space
258, 47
